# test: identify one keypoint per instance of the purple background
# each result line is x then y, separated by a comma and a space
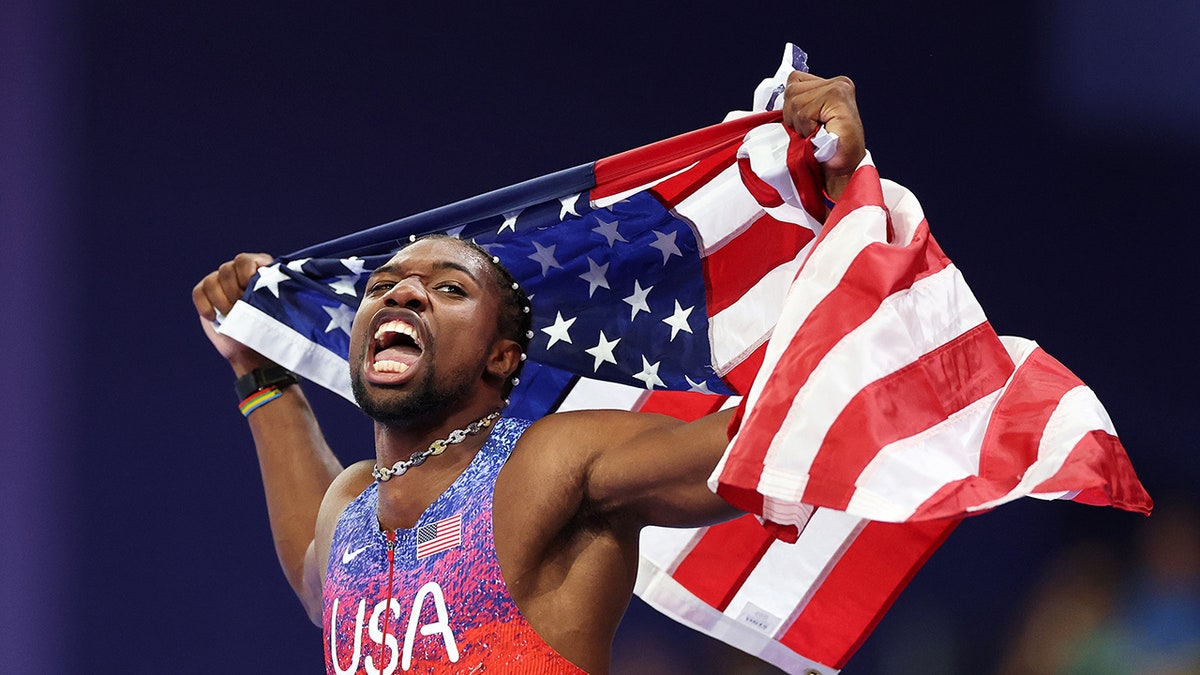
1052, 144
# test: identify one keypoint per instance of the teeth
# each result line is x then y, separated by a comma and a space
400, 327
391, 366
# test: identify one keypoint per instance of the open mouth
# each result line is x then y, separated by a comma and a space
397, 346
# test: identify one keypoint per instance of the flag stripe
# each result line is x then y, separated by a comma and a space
648, 163
852, 298
722, 559
861, 587
733, 269
904, 403
805, 564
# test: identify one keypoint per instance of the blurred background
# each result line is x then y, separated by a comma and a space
1053, 145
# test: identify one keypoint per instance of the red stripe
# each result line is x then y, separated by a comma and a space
684, 405
1099, 467
1011, 441
762, 191
742, 376
1015, 429
877, 272
806, 173
1010, 446
861, 587
648, 163
726, 554
902, 404
733, 269
675, 189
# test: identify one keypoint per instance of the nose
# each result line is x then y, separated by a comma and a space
408, 292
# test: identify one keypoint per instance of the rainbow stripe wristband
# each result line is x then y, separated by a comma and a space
258, 399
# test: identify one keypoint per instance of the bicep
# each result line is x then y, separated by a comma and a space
654, 469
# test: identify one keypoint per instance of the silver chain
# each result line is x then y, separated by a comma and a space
435, 448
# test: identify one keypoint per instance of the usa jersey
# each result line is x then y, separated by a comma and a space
430, 599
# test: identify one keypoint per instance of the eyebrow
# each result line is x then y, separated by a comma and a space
393, 268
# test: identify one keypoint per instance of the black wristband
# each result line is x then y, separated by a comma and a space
261, 378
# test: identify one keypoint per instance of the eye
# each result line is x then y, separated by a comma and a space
380, 286
450, 287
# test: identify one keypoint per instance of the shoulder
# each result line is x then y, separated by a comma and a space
592, 428
349, 484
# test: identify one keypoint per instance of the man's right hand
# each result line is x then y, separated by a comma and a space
217, 292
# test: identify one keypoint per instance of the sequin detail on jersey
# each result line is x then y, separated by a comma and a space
449, 610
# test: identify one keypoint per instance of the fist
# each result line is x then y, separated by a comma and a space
810, 101
217, 292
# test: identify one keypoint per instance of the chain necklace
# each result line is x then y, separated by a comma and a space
435, 448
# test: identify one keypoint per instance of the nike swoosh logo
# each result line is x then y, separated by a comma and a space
349, 555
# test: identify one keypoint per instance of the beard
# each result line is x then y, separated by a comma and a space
423, 401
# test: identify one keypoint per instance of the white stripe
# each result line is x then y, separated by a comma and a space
804, 564
605, 202
835, 253
668, 596
908, 472
766, 148
719, 210
263, 333
737, 330
589, 394
907, 325
1077, 414
666, 547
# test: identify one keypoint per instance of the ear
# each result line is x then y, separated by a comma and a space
504, 359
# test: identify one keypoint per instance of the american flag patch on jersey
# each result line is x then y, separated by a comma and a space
441, 536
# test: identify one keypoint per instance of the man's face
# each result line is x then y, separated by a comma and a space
422, 335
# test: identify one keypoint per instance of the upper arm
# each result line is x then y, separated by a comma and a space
348, 485
650, 469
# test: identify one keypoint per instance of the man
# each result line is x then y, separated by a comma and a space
531, 578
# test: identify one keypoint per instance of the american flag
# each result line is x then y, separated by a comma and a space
658, 277
442, 535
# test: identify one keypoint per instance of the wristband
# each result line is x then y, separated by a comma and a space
258, 399
263, 378
261, 386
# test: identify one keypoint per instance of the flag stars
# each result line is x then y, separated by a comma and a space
638, 300
544, 255
354, 264
679, 320
345, 285
270, 277
649, 374
666, 243
609, 232
595, 276
700, 387
568, 206
603, 351
510, 221
297, 266
559, 331
340, 316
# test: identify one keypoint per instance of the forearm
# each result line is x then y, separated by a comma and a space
297, 468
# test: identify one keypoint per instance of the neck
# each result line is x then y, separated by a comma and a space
394, 442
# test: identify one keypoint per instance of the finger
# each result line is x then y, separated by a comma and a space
803, 100
247, 265
200, 299
235, 275
230, 287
